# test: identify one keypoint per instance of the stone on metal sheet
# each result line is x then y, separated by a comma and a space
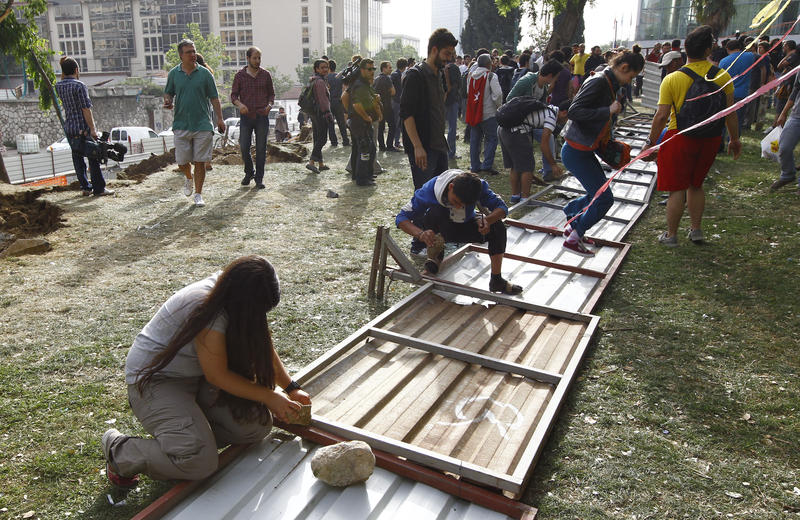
344, 463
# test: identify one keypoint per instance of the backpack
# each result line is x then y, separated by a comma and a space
513, 113
307, 99
693, 112
476, 90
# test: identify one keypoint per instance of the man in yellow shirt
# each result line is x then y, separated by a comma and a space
683, 162
577, 62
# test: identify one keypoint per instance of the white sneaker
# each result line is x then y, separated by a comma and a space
198, 200
188, 187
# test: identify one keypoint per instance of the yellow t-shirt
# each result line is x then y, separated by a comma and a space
674, 87
578, 61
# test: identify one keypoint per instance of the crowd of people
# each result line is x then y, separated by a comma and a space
197, 375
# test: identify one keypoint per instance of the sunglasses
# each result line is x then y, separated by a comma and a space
369, 68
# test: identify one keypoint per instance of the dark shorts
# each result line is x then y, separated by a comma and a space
685, 161
517, 150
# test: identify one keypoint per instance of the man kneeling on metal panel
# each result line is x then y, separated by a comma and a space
443, 210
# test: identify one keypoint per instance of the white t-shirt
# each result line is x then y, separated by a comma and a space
156, 335
538, 120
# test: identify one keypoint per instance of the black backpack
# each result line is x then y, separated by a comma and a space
693, 112
307, 99
513, 113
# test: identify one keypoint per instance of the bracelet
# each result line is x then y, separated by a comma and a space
293, 385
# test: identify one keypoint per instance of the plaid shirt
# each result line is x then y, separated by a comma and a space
74, 97
256, 93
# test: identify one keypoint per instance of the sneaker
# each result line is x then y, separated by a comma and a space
188, 187
696, 236
491, 171
198, 200
324, 167
104, 193
504, 286
111, 437
245, 181
577, 248
669, 241
312, 168
584, 239
515, 198
780, 183
418, 248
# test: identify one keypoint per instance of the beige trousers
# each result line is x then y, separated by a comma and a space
187, 430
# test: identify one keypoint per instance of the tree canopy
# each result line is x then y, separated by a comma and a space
487, 27
210, 46
19, 37
280, 82
394, 51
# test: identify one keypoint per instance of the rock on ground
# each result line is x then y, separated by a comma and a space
27, 246
344, 463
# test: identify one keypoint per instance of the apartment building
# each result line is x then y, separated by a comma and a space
450, 14
131, 37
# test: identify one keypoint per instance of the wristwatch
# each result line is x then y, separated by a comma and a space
647, 142
293, 385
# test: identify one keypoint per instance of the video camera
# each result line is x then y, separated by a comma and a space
102, 150
351, 72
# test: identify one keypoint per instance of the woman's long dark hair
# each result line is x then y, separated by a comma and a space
246, 290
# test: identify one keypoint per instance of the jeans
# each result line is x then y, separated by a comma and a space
487, 128
386, 123
586, 168
261, 127
437, 163
337, 109
398, 130
363, 150
98, 182
547, 170
451, 116
790, 136
319, 126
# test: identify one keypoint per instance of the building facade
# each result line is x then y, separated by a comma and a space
131, 37
405, 41
661, 20
450, 14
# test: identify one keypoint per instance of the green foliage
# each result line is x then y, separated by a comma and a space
394, 51
304, 71
210, 46
280, 82
342, 53
19, 37
486, 27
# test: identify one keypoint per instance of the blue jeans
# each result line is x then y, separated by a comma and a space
790, 136
246, 127
98, 182
546, 168
586, 168
451, 116
487, 128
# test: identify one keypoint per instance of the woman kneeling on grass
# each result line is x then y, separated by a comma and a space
202, 375
592, 113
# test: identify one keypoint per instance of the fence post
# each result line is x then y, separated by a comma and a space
164, 143
52, 161
22, 165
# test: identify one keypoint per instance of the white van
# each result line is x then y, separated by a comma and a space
126, 134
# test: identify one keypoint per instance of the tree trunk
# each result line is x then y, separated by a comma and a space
565, 25
3, 172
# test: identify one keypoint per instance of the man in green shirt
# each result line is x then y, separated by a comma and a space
366, 109
537, 84
189, 90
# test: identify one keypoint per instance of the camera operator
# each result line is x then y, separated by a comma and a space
79, 126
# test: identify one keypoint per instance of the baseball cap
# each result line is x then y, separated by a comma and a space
668, 57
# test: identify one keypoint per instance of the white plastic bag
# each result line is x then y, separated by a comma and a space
769, 145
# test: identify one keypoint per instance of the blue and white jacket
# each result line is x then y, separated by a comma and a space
434, 192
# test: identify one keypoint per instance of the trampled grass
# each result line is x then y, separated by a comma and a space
686, 406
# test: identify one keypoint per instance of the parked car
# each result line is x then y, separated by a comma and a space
61, 144
122, 134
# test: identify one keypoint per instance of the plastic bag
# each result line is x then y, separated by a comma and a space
769, 145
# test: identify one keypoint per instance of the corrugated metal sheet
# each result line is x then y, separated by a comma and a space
273, 480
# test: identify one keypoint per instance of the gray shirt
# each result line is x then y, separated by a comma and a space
156, 335
436, 97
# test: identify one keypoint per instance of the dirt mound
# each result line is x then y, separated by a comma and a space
23, 215
286, 152
139, 171
306, 135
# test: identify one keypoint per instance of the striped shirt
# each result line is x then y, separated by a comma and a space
538, 120
74, 97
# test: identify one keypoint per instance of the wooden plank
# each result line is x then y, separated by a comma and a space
553, 265
465, 356
400, 257
374, 267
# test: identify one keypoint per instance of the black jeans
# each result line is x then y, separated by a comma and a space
437, 219
388, 120
78, 146
363, 152
247, 126
319, 126
437, 163
337, 109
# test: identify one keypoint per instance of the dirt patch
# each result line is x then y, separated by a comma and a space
306, 135
24, 215
286, 152
139, 171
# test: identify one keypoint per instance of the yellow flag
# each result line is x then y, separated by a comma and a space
767, 12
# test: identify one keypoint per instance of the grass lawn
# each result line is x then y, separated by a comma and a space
686, 406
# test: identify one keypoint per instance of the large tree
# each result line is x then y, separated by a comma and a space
716, 13
487, 27
394, 51
19, 37
568, 25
